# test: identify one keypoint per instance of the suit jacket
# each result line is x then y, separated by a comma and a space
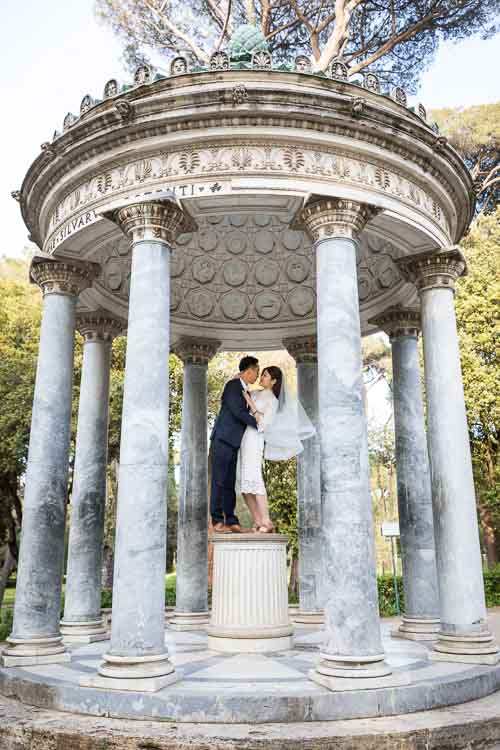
234, 416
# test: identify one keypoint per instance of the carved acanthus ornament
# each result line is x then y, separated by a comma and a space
151, 221
304, 349
196, 351
99, 326
434, 270
336, 217
62, 276
398, 321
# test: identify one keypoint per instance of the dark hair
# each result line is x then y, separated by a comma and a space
248, 362
276, 375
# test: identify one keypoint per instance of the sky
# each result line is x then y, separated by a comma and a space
54, 53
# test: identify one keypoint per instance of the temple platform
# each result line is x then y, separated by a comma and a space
254, 688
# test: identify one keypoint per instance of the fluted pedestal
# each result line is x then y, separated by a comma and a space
250, 594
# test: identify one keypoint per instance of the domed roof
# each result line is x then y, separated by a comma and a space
246, 40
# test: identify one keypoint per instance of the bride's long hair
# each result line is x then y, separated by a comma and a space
277, 375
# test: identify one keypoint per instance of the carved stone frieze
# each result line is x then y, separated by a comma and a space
99, 326
151, 220
196, 351
213, 161
62, 276
398, 321
435, 269
304, 349
336, 217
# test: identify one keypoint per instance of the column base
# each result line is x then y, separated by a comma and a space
189, 621
250, 645
330, 668
309, 618
137, 673
88, 631
417, 629
25, 652
473, 649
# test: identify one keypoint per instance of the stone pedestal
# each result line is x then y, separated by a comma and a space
191, 611
352, 645
421, 618
36, 638
82, 622
304, 350
464, 635
250, 594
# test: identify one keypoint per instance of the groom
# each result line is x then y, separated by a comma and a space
231, 422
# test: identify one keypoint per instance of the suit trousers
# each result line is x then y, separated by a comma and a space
223, 493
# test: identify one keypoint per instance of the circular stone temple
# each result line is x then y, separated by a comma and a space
248, 206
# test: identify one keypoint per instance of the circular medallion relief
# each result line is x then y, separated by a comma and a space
201, 303
262, 220
385, 271
364, 285
122, 247
236, 243
238, 220
208, 240
297, 269
234, 305
292, 240
264, 241
183, 239
203, 269
177, 263
235, 272
301, 300
113, 274
214, 219
266, 272
268, 305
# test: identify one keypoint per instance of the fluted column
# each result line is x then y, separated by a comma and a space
82, 621
304, 350
138, 658
36, 637
352, 646
421, 618
464, 635
191, 611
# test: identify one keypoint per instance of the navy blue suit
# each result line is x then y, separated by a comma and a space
226, 437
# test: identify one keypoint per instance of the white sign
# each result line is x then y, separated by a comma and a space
390, 528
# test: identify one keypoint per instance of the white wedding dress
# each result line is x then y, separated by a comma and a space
252, 444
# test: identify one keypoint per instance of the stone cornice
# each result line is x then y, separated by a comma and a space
196, 351
434, 270
99, 326
167, 107
398, 321
335, 217
151, 220
62, 276
304, 349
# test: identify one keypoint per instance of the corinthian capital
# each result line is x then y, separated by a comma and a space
434, 269
196, 351
99, 326
336, 217
62, 276
153, 220
398, 321
304, 349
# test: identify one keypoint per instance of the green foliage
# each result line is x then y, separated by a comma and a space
6, 618
280, 478
387, 595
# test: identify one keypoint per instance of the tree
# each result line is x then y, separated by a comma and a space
477, 319
475, 133
396, 38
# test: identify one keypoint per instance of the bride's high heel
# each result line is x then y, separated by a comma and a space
266, 528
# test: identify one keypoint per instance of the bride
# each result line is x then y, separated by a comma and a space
282, 427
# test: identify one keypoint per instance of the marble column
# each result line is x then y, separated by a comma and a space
352, 645
138, 657
421, 618
304, 350
464, 635
82, 621
36, 638
191, 611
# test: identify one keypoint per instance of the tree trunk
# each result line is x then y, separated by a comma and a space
9, 564
488, 537
107, 567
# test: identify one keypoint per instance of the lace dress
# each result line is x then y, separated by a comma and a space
252, 445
